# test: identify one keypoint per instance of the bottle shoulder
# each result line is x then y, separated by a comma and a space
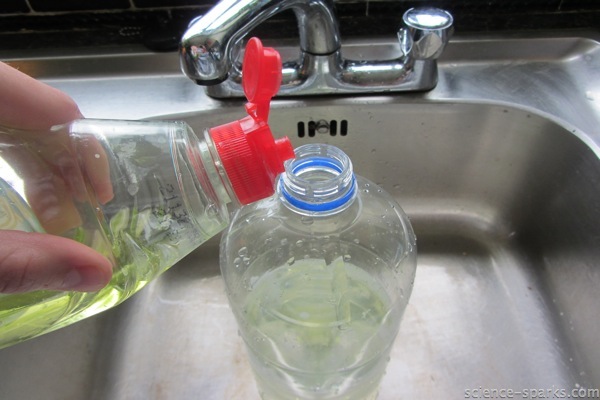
373, 215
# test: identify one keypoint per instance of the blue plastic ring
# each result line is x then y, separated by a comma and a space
318, 207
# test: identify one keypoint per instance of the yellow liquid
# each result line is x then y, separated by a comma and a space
318, 331
141, 244
23, 316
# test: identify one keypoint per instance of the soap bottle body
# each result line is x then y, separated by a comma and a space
143, 194
318, 277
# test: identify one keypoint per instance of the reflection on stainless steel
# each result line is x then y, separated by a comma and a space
497, 167
209, 46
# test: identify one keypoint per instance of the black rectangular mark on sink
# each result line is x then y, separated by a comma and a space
311, 128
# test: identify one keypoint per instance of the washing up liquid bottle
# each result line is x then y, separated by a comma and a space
143, 194
318, 276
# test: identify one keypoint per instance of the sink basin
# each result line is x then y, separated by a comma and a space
498, 169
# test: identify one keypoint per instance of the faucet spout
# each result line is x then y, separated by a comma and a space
208, 47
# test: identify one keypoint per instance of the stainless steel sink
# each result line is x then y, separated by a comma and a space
498, 169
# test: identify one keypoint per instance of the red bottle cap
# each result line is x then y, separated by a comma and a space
250, 155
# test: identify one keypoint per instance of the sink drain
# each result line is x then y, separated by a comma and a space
333, 128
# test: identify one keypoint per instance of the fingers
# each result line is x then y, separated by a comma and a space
52, 204
33, 261
96, 167
45, 187
26, 103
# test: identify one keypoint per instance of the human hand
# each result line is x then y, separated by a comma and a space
34, 261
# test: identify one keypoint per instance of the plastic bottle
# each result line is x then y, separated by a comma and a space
318, 276
144, 194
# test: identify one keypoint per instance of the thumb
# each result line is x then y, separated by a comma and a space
36, 261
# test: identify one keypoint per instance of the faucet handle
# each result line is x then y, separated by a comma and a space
425, 32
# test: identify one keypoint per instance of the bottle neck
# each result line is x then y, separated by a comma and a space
319, 181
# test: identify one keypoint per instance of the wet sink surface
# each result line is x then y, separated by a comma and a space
504, 200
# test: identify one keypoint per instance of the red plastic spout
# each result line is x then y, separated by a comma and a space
251, 157
261, 77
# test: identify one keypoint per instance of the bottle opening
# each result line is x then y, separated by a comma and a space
320, 179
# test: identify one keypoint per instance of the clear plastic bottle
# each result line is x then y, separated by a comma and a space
318, 276
144, 194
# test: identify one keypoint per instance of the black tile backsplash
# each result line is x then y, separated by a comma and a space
159, 23
78, 5
167, 3
13, 6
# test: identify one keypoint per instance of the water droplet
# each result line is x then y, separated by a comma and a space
284, 242
132, 189
347, 257
356, 241
243, 251
97, 155
307, 220
268, 241
299, 243
291, 260
236, 262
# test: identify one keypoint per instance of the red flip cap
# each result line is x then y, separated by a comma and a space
250, 155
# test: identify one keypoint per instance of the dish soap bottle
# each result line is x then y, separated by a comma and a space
318, 276
144, 194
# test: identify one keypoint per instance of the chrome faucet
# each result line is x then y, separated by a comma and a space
212, 43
